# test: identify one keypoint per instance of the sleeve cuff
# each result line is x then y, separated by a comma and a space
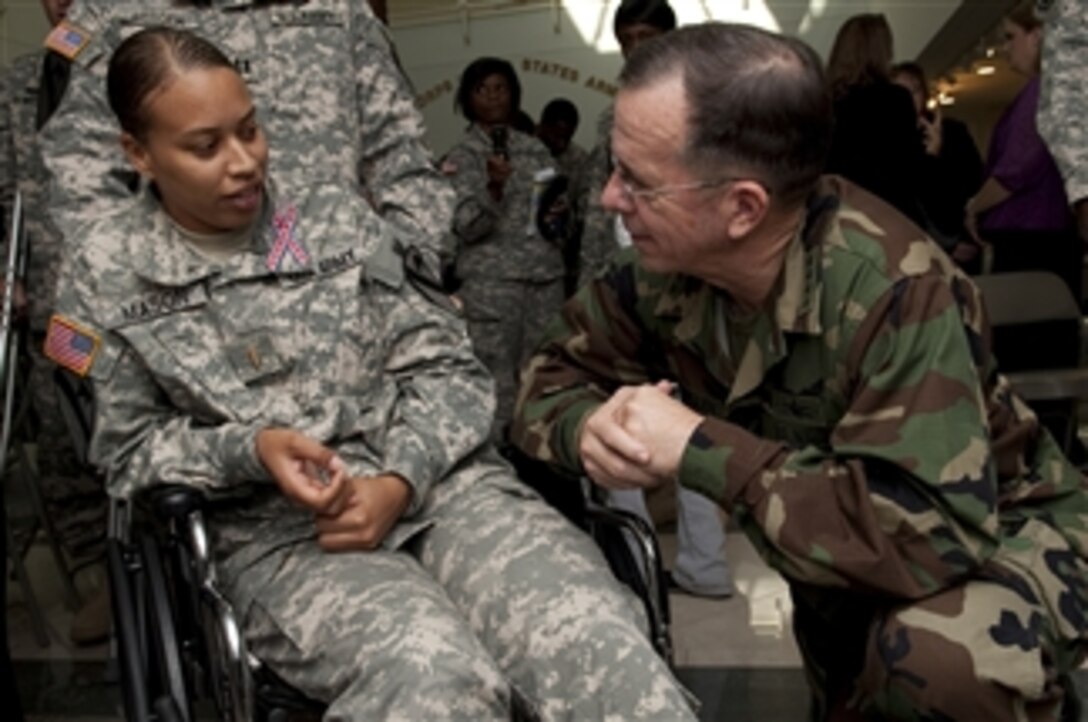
722, 460
570, 431
240, 460
407, 458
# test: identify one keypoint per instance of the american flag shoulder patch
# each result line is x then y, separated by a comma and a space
67, 39
71, 345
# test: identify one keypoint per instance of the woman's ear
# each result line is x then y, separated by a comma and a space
137, 155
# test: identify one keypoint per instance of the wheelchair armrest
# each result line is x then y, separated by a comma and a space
655, 597
173, 502
76, 400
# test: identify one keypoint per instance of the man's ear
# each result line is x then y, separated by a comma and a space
137, 155
744, 206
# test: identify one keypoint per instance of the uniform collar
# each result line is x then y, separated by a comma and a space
161, 255
234, 4
482, 137
796, 308
699, 311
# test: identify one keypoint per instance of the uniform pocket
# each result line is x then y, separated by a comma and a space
185, 354
797, 419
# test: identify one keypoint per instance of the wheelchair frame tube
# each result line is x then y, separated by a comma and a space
236, 701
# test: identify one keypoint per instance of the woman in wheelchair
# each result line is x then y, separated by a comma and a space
283, 352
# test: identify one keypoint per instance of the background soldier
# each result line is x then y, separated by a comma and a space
635, 22
511, 275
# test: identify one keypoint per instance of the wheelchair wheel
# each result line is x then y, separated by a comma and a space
229, 672
122, 572
163, 649
166, 710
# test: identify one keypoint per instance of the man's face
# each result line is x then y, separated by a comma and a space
631, 36
917, 92
556, 135
56, 10
672, 231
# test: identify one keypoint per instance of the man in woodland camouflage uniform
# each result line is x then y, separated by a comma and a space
1063, 104
329, 93
792, 347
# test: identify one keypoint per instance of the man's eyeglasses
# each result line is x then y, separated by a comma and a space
634, 191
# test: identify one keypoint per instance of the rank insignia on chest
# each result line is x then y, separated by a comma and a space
254, 357
67, 39
286, 243
70, 345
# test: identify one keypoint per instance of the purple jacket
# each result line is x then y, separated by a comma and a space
1020, 161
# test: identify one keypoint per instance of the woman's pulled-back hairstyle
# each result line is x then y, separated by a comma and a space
146, 62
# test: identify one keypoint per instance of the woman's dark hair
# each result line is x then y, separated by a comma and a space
1023, 15
757, 103
146, 62
656, 13
475, 74
862, 53
520, 120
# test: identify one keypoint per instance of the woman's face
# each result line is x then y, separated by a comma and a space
204, 150
1022, 47
491, 100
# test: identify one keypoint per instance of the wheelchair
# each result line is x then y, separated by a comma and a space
17, 428
179, 644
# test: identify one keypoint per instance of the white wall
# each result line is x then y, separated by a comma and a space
573, 54
569, 52
22, 28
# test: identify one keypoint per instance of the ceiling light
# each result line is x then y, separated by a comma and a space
986, 69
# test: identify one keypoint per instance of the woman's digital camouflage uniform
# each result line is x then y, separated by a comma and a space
480, 594
329, 94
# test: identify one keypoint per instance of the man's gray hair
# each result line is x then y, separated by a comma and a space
757, 102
